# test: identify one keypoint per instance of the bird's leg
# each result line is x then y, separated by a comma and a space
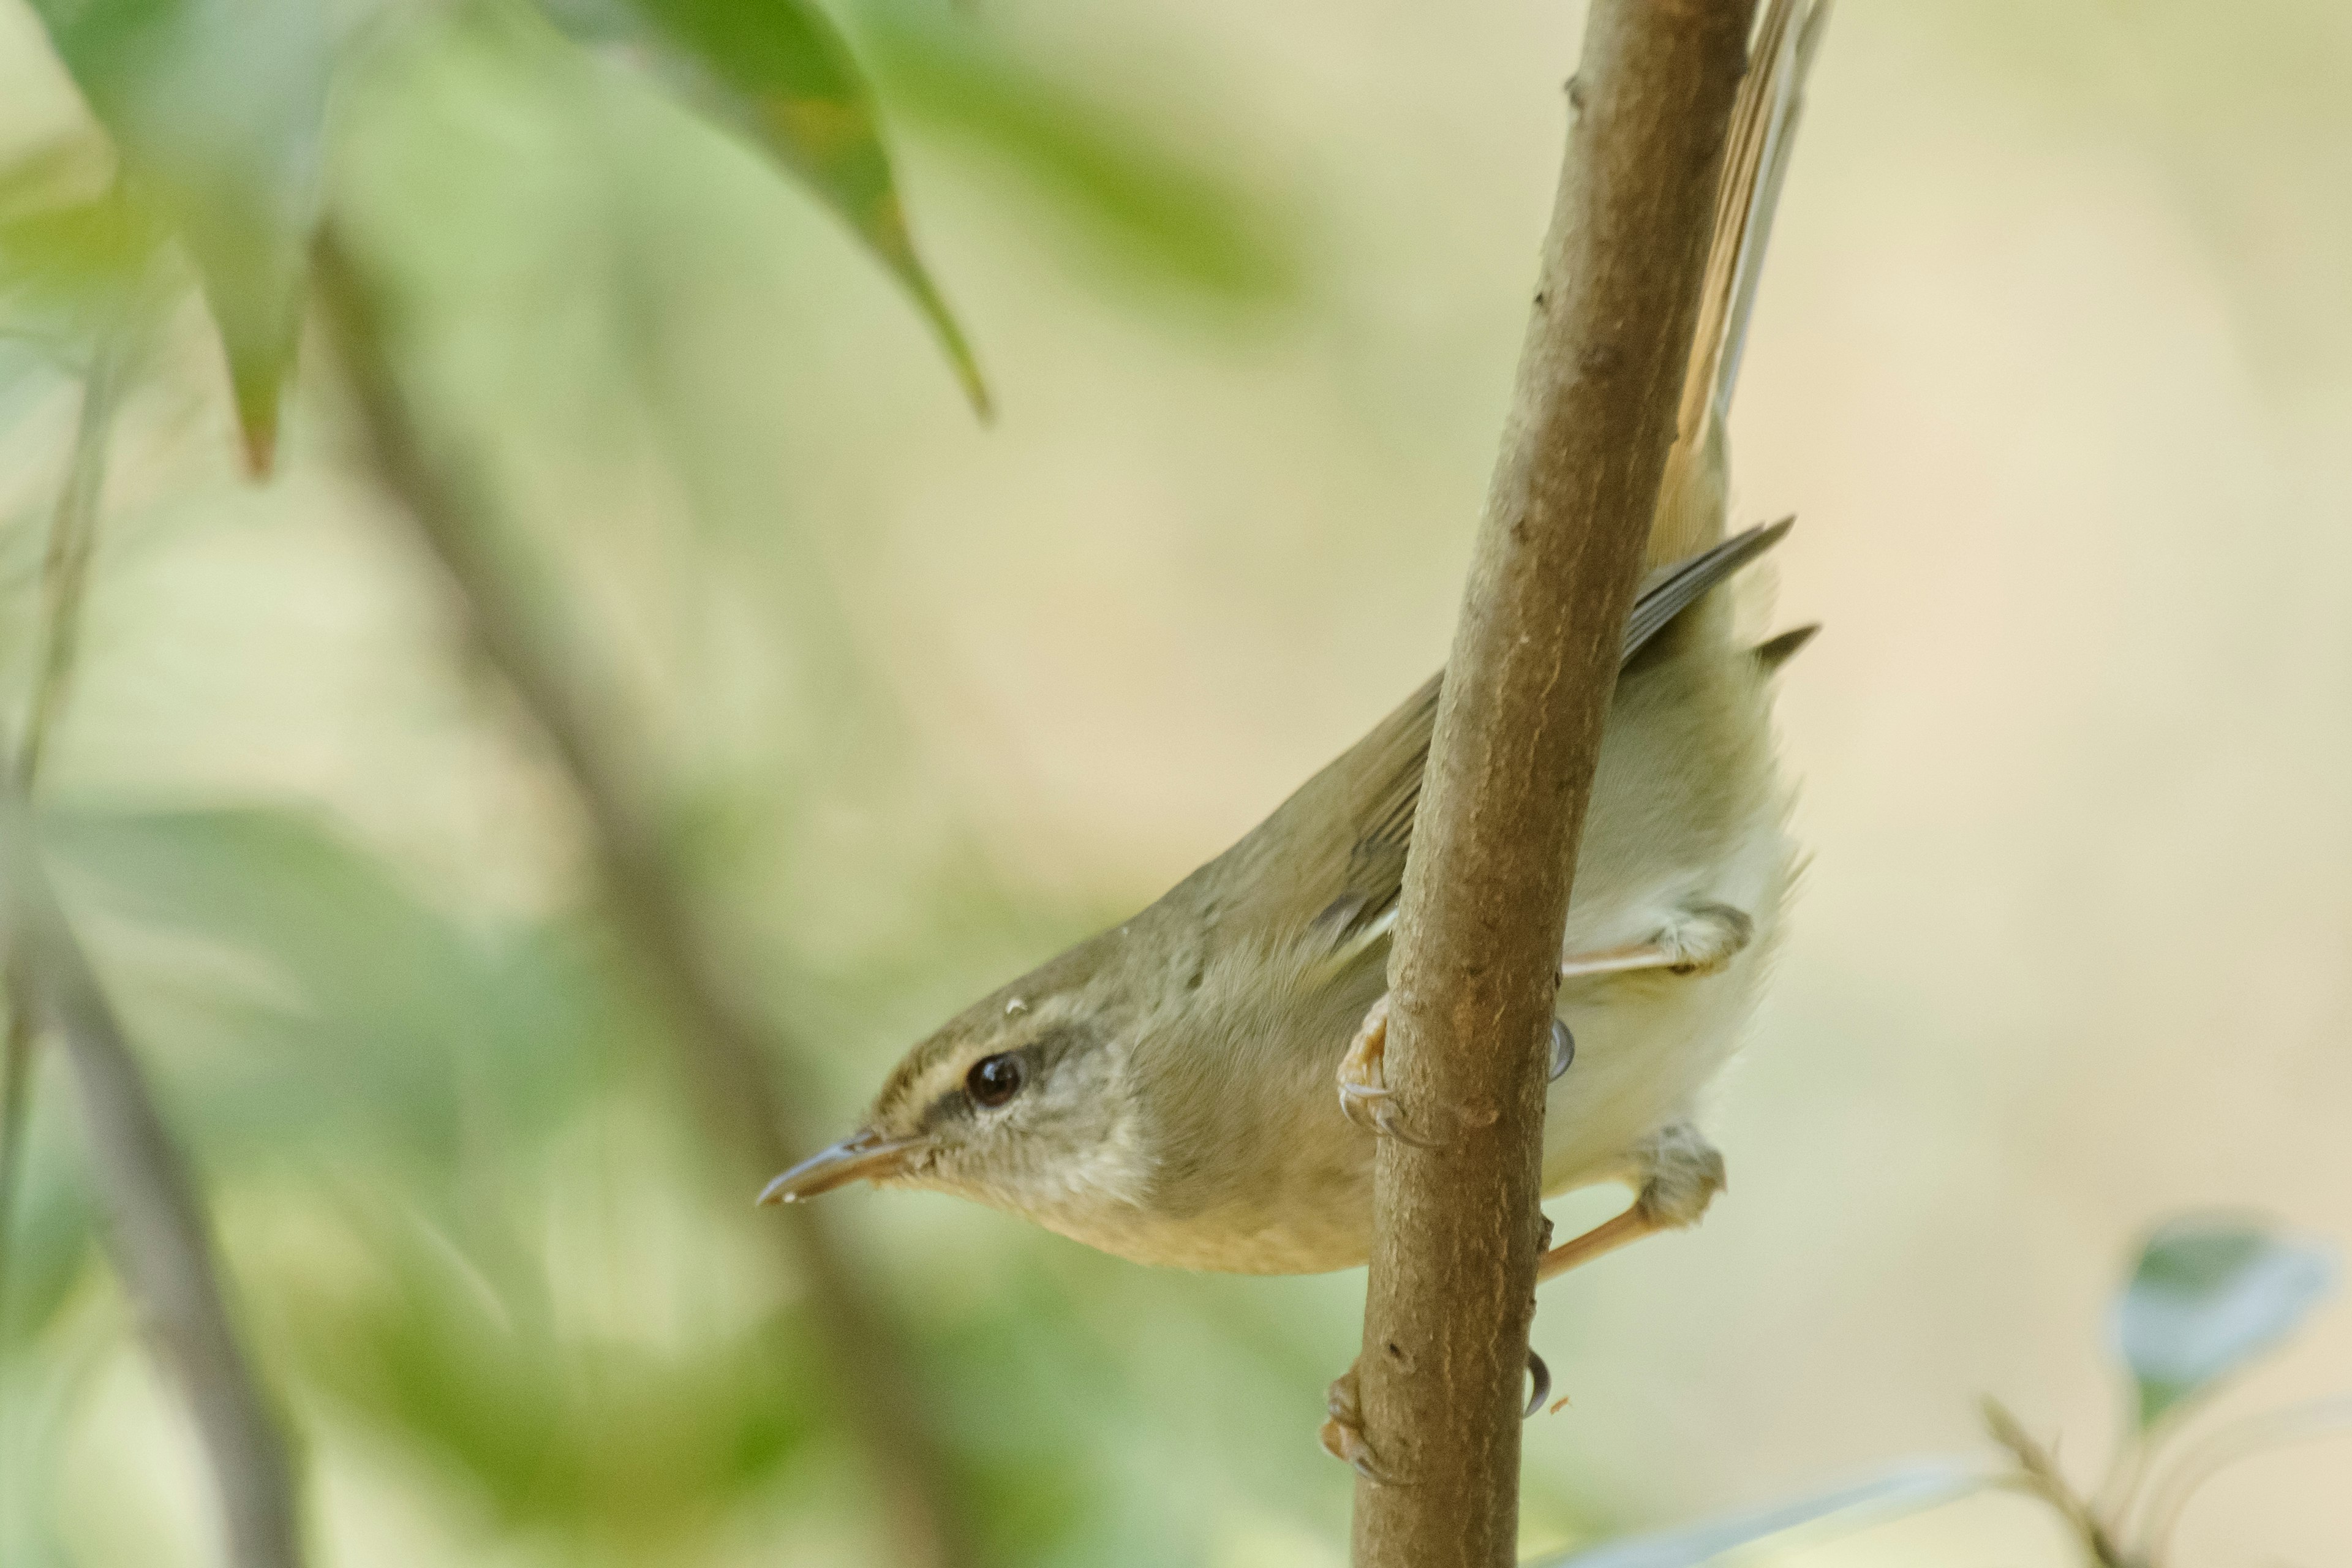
1681, 1172
1343, 1433
1699, 939
1363, 1089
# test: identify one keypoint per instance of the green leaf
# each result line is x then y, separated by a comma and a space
1908, 1490
360, 1014
1156, 212
54, 1220
69, 263
580, 1437
780, 71
2208, 1297
216, 108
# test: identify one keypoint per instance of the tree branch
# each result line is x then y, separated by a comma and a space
1458, 1227
158, 1233
735, 1060
65, 568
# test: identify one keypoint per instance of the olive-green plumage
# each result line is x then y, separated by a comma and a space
1165, 1089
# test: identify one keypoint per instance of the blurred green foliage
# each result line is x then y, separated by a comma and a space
2208, 1297
217, 110
470, 1224
782, 73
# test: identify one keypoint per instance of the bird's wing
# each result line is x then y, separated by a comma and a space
1344, 879
1332, 861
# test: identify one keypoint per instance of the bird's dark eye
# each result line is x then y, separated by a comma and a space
994, 1079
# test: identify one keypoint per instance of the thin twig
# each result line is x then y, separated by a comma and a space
65, 569
73, 534
158, 1233
2038, 1472
2170, 1496
1458, 1227
735, 1059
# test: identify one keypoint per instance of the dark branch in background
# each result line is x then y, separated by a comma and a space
736, 1062
1458, 1226
157, 1230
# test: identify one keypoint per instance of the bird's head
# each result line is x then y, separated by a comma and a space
1027, 1100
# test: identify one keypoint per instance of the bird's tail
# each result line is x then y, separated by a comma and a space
1692, 502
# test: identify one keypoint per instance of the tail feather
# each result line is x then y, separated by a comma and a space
1774, 652
1693, 501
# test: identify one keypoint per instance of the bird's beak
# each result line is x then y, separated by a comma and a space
859, 1155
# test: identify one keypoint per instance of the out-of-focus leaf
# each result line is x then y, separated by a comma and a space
1915, 1487
576, 1438
216, 108
54, 1220
365, 1017
780, 71
63, 265
1156, 210
2206, 1296
75, 255
38, 1402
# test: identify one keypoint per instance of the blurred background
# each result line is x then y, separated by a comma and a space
2053, 359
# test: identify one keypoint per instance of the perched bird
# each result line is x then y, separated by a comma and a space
1165, 1091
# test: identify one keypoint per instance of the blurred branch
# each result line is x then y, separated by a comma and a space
736, 1062
73, 534
2039, 1474
160, 1237
2219, 1450
1458, 1227
65, 568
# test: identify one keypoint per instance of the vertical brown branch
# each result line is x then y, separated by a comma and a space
734, 1059
1458, 1227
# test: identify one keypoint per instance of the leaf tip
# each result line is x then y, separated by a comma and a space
257, 433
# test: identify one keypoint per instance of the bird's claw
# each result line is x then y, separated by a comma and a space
1343, 1433
1364, 1098
1372, 1108
1540, 1376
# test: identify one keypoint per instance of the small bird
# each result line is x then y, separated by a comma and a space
1165, 1091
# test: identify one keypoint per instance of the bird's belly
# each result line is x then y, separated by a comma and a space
1310, 1238
1646, 1045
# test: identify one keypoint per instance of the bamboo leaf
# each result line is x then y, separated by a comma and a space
1161, 215
216, 109
782, 73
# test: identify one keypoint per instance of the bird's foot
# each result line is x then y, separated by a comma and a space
1538, 1385
1343, 1433
1681, 1172
1363, 1089
1699, 938
1364, 1095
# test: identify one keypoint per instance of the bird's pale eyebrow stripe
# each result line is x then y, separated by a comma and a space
1039, 1055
